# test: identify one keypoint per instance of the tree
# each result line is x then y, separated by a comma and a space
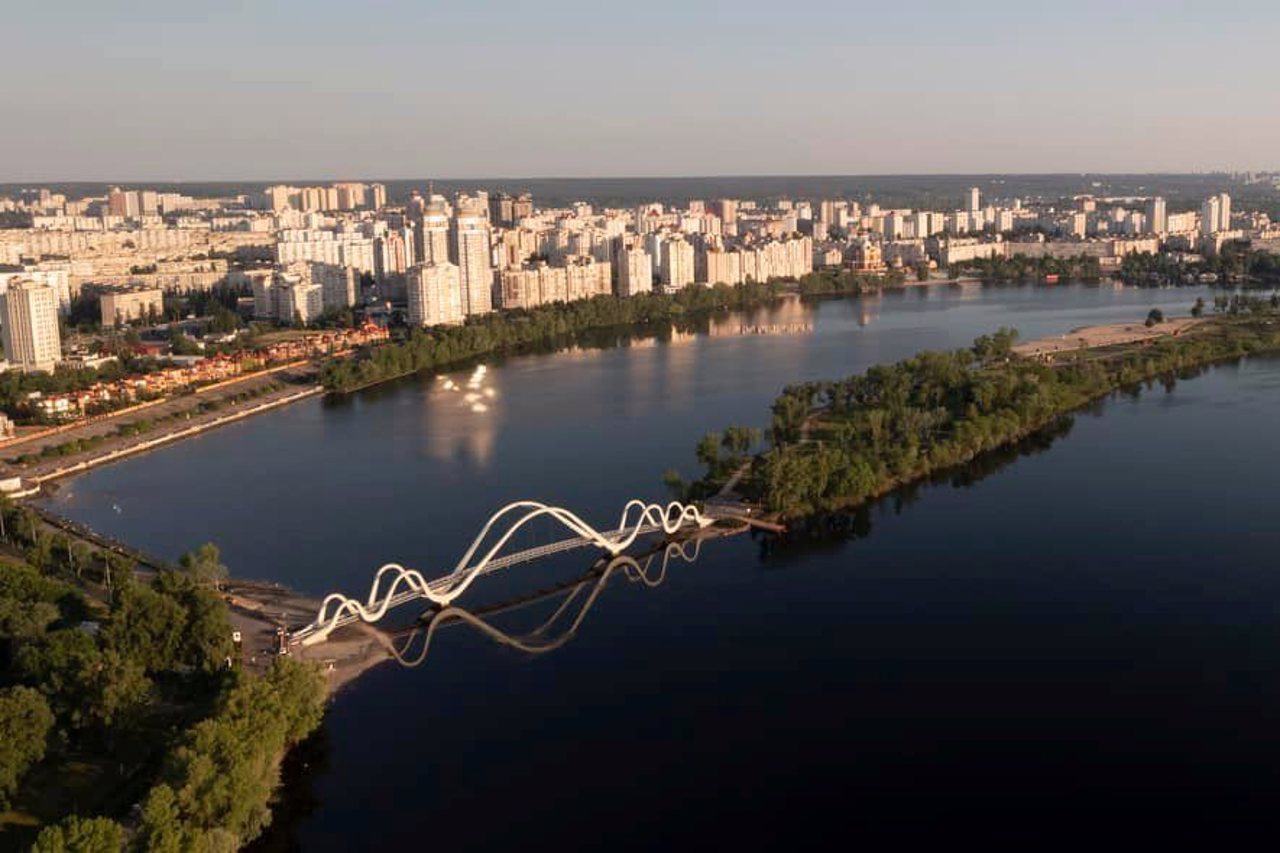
162, 829
206, 634
205, 564
224, 320
117, 570
675, 484
182, 344
81, 556
81, 835
739, 440
40, 552
25, 722
56, 663
24, 620
218, 782
708, 451
60, 548
996, 345
119, 692
147, 626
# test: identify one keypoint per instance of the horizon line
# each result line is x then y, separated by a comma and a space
687, 177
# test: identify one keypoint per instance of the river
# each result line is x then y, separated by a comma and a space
1087, 631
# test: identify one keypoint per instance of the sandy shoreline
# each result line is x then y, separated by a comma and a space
1114, 334
257, 613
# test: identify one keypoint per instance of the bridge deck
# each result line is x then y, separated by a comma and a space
446, 582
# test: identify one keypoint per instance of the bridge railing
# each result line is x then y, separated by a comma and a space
394, 585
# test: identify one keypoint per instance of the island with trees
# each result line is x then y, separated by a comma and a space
836, 444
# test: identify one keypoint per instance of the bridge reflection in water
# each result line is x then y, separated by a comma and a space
394, 585
411, 646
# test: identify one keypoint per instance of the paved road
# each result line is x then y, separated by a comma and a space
175, 405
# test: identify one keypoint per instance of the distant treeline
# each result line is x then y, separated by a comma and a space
828, 281
1233, 264
508, 332
1080, 267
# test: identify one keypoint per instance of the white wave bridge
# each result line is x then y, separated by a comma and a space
394, 585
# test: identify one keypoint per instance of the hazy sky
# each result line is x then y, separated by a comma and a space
234, 89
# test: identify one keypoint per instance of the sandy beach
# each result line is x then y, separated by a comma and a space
1092, 337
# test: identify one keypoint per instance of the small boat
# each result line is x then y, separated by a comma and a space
1051, 278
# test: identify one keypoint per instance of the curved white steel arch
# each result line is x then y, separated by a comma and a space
637, 519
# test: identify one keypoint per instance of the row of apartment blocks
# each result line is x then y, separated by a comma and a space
361, 232
443, 292
1087, 216
507, 253
301, 291
950, 250
340, 196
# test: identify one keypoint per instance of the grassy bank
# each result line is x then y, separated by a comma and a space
836, 444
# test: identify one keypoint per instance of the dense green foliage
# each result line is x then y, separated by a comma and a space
839, 443
175, 624
513, 331
217, 303
25, 722
84, 313
217, 785
1235, 304
1233, 263
822, 282
15, 219
1081, 267
204, 564
15, 385
147, 676
81, 835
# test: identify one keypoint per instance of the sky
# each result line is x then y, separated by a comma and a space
279, 89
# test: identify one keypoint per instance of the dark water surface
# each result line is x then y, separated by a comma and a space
319, 494
1088, 632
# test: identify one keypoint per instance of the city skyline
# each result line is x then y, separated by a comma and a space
944, 338
565, 90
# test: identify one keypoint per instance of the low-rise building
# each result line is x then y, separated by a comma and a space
121, 305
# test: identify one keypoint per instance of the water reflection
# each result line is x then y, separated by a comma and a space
789, 316
411, 647
461, 416
830, 532
866, 314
